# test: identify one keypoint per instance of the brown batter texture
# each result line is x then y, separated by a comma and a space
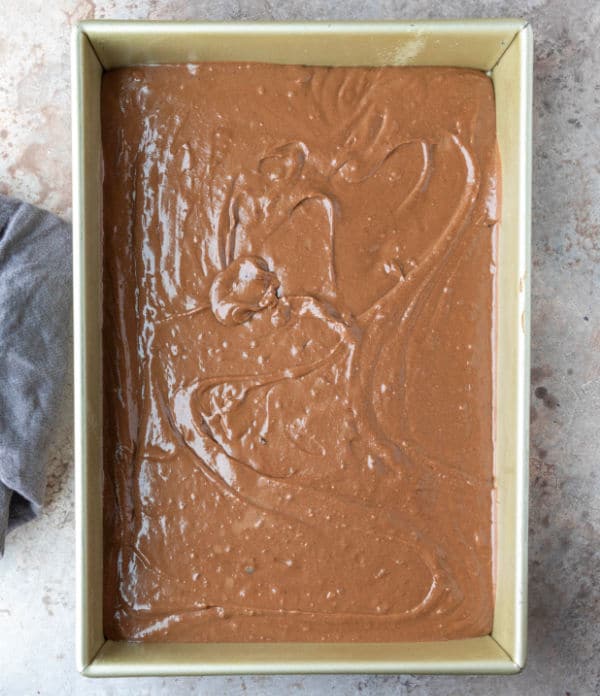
298, 353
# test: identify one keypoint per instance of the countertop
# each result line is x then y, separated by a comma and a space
37, 572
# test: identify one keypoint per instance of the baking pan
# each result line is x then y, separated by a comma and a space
503, 48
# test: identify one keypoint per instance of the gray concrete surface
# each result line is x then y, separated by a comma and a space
36, 576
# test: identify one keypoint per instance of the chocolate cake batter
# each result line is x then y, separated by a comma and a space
298, 352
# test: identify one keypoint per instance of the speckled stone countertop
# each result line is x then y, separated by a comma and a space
37, 573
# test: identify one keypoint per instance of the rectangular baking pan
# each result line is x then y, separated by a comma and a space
503, 48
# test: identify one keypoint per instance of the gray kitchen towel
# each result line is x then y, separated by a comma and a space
35, 314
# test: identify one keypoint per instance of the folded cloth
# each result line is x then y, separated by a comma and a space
35, 313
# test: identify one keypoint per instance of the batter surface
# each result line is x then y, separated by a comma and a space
298, 353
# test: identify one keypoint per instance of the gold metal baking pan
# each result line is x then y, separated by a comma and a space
502, 47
